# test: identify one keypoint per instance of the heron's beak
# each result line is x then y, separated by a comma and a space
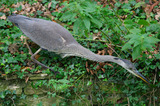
136, 73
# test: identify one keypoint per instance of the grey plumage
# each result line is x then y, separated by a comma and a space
53, 37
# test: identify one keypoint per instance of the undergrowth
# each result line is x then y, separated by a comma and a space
99, 28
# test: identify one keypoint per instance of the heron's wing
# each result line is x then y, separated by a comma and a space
48, 35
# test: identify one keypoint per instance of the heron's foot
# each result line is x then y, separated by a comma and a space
39, 63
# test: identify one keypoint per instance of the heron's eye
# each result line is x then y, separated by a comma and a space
130, 68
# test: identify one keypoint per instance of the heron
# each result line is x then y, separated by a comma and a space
53, 37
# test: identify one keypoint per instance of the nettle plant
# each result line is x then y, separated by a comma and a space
137, 34
84, 15
141, 39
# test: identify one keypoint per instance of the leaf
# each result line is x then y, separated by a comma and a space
76, 25
157, 56
97, 22
143, 22
151, 40
128, 21
136, 52
39, 12
87, 23
67, 16
126, 46
135, 30
137, 43
140, 4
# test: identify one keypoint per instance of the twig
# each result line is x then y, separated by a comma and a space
79, 78
153, 88
13, 101
128, 101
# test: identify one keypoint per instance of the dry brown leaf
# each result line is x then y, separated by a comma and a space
109, 49
3, 17
102, 52
6, 10
109, 64
87, 67
47, 13
37, 56
13, 48
157, 17
26, 79
49, 4
23, 37
32, 10
103, 70
25, 68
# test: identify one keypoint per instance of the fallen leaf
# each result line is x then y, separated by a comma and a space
26, 79
3, 17
13, 48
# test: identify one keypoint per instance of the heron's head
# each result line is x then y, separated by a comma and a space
131, 68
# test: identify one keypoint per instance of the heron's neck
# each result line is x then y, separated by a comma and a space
80, 51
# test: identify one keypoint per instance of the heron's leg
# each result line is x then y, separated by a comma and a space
36, 61
30, 51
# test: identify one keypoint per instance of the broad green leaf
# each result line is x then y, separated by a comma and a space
135, 31
151, 40
136, 52
89, 8
76, 25
143, 22
128, 21
97, 22
137, 43
87, 23
90, 16
129, 36
67, 16
146, 46
126, 46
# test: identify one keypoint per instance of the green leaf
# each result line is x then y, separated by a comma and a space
140, 4
143, 22
90, 7
87, 23
128, 21
151, 40
89, 83
136, 43
39, 12
126, 46
135, 31
157, 56
97, 22
67, 16
76, 25
136, 52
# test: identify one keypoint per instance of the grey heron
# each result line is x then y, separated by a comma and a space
53, 37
